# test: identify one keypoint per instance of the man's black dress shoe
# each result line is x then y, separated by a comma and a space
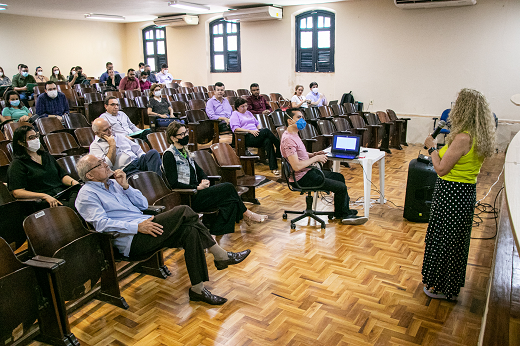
206, 297
234, 258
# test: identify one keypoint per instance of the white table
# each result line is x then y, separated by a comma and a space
366, 159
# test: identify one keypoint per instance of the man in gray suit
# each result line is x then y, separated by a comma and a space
119, 152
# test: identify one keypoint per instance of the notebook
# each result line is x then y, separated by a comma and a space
345, 146
30, 87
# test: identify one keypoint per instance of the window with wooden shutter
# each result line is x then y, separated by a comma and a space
315, 41
154, 47
224, 46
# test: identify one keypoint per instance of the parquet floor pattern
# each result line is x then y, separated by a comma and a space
346, 285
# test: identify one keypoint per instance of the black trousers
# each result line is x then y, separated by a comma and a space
334, 182
151, 161
181, 229
267, 140
230, 206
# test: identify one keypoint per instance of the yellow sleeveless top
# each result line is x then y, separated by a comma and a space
466, 169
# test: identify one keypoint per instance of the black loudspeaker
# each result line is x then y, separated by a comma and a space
419, 189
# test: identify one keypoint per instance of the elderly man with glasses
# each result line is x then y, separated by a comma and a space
120, 122
113, 205
119, 152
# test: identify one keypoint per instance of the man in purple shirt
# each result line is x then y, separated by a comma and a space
218, 107
317, 98
256, 104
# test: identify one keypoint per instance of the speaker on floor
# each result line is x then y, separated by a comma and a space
419, 189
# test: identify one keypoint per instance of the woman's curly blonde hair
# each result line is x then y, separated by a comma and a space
471, 113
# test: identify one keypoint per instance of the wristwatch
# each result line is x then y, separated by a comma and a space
431, 150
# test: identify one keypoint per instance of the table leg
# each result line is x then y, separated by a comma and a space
382, 180
336, 165
367, 177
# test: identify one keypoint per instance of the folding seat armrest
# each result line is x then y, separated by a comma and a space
231, 167
47, 263
189, 192
406, 119
328, 135
37, 200
214, 179
250, 158
374, 126
361, 129
154, 210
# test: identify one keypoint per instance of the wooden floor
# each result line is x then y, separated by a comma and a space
347, 285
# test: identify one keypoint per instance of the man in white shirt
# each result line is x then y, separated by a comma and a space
120, 122
164, 76
120, 152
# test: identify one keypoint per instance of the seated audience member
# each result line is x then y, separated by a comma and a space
151, 77
78, 77
139, 70
104, 76
244, 120
298, 100
14, 109
256, 104
56, 75
39, 77
317, 98
218, 107
52, 103
158, 105
34, 173
112, 83
182, 172
164, 76
4, 80
20, 82
121, 124
121, 152
293, 150
113, 205
144, 84
130, 82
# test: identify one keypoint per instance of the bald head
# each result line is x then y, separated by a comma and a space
91, 168
101, 127
84, 164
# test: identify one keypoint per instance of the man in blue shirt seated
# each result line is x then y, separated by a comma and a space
112, 205
52, 103
104, 76
151, 77
121, 152
317, 98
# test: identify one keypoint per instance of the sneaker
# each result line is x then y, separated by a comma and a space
354, 220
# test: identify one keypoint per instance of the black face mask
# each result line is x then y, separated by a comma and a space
184, 140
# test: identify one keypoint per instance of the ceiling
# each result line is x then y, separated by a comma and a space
132, 10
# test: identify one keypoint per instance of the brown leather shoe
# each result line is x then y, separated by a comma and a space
234, 258
206, 297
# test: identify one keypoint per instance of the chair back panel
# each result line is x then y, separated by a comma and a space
383, 117
182, 98
85, 136
337, 109
158, 141
57, 143
75, 121
196, 115
266, 97
132, 94
92, 97
206, 161
372, 119
357, 121
341, 124
278, 118
151, 185
117, 94
325, 112
141, 101
179, 106
391, 115
274, 105
49, 125
144, 146
197, 104
68, 163
200, 88
326, 127
9, 128
349, 108
94, 109
245, 92
276, 96
309, 132
225, 155
230, 92
187, 84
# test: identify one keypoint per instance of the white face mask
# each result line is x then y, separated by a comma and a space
315, 90
144, 80
157, 93
33, 145
73, 73
165, 71
40, 73
142, 70
56, 72
1, 74
52, 94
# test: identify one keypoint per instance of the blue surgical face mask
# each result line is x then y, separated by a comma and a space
15, 103
25, 74
301, 123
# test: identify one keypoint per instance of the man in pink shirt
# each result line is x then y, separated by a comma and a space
293, 150
129, 82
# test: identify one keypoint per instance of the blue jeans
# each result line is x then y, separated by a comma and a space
24, 97
151, 161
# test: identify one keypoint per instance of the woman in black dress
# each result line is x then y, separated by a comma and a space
34, 173
182, 172
458, 163
158, 105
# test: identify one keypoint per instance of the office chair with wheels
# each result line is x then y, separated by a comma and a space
287, 172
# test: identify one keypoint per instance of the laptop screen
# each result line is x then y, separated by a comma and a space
346, 144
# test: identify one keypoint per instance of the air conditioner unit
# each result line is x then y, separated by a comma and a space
411, 4
182, 20
254, 14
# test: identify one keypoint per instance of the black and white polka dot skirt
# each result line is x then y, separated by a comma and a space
448, 236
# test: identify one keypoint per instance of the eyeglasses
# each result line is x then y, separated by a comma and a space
114, 104
182, 133
36, 136
100, 163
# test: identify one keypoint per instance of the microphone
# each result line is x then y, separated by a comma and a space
435, 133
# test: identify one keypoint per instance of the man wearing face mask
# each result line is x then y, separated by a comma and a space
151, 75
130, 82
20, 82
120, 152
52, 103
293, 150
317, 98
144, 84
78, 77
139, 70
164, 76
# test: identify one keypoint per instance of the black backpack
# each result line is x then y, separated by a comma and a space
347, 98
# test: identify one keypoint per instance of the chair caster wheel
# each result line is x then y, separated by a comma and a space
284, 216
323, 227
331, 217
293, 226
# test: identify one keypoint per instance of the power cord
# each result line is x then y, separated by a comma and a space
487, 208
375, 188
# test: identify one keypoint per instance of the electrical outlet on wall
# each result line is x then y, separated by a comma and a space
371, 102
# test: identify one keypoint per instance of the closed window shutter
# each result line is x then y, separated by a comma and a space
317, 31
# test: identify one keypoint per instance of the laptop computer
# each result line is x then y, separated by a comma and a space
345, 147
